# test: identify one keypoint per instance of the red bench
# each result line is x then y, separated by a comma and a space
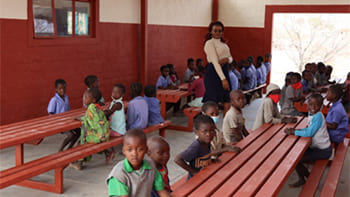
58, 161
190, 112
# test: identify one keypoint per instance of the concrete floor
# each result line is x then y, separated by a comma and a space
90, 182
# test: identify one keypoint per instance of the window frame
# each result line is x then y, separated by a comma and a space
93, 20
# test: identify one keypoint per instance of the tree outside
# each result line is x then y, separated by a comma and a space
303, 38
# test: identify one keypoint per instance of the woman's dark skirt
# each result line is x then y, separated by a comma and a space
214, 91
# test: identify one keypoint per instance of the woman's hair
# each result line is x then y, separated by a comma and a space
211, 25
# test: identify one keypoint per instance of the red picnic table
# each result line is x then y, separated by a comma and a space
169, 96
183, 86
302, 106
267, 159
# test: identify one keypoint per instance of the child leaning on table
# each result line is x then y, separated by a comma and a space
233, 126
159, 152
58, 104
135, 176
94, 126
198, 154
320, 147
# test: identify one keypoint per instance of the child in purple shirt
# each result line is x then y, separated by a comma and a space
154, 116
138, 109
58, 104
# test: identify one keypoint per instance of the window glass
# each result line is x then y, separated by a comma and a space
43, 21
63, 9
82, 15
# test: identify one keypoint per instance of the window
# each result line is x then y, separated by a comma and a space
62, 18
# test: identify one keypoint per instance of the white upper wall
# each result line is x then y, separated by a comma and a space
120, 11
180, 12
13, 9
251, 13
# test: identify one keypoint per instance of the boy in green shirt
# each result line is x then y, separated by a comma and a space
135, 176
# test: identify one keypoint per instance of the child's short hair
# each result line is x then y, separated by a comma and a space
268, 55
305, 71
337, 90
89, 80
121, 86
136, 88
150, 90
189, 60
163, 67
260, 58
95, 93
199, 60
317, 97
136, 133
207, 105
250, 59
320, 65
170, 66
202, 119
59, 81
297, 75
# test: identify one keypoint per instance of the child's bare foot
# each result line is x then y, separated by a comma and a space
78, 165
299, 183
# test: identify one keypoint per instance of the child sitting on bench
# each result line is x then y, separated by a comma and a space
92, 81
154, 116
159, 152
135, 176
320, 147
197, 86
138, 109
58, 104
198, 154
94, 126
116, 112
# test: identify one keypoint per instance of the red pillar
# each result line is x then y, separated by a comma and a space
143, 44
215, 12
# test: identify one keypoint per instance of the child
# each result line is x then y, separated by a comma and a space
199, 62
233, 77
308, 85
116, 112
268, 111
248, 76
320, 147
174, 78
198, 154
188, 77
92, 81
237, 73
294, 93
154, 116
159, 152
58, 104
260, 70
94, 125
337, 119
135, 176
233, 126
197, 86
138, 109
267, 62
163, 81
211, 109
320, 74
287, 82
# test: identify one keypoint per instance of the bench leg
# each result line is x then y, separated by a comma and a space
57, 187
162, 132
19, 154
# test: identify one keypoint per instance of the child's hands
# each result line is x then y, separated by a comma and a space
289, 120
233, 148
289, 131
77, 118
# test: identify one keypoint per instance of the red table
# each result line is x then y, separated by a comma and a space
169, 96
267, 159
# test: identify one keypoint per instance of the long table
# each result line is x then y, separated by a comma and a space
267, 159
169, 96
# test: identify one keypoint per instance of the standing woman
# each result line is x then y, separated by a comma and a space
216, 80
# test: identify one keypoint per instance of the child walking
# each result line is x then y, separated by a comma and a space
320, 147
135, 176
94, 125
198, 154
159, 152
337, 119
233, 126
58, 104
154, 116
138, 109
116, 112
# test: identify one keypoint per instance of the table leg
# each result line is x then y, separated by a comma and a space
19, 154
163, 109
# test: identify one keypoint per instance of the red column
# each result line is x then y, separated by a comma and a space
215, 12
143, 44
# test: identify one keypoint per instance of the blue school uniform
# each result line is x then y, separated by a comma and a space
137, 113
305, 85
264, 73
260, 75
238, 74
154, 116
250, 73
338, 115
267, 66
233, 80
58, 105
163, 82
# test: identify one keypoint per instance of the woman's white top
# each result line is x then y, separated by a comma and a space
215, 51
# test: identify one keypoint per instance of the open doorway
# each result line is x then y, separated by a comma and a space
300, 38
